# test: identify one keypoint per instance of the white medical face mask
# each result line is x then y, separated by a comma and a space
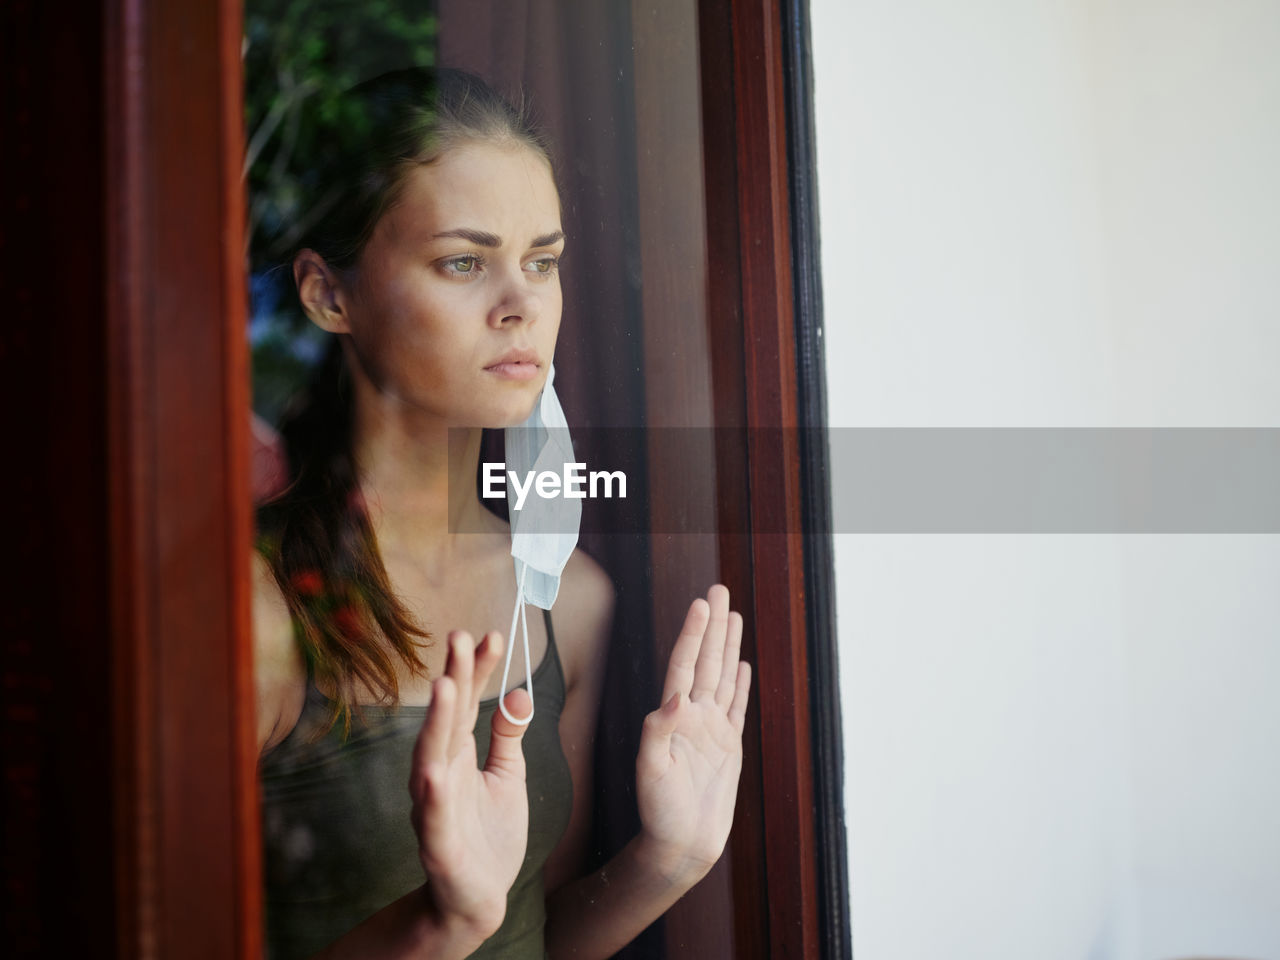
545, 531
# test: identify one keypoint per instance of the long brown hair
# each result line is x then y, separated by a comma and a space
316, 534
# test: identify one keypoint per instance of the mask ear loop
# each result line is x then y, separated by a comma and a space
518, 614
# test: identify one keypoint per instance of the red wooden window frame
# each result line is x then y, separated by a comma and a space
748, 220
162, 805
178, 488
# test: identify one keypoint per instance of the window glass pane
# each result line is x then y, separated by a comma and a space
616, 87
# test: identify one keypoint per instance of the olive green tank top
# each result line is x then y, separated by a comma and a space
337, 841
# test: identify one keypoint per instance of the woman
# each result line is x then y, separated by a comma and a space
435, 267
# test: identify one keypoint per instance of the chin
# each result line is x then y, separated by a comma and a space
512, 417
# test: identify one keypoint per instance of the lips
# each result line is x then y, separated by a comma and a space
515, 356
515, 365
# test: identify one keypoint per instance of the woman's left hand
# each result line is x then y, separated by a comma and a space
691, 747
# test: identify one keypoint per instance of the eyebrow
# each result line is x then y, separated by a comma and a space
547, 239
485, 239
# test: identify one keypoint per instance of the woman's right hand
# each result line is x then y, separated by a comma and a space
472, 824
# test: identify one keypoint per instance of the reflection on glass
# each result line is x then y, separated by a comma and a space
416, 264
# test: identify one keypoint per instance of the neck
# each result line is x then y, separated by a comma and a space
417, 476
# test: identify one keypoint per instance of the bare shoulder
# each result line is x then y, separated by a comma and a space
280, 675
583, 616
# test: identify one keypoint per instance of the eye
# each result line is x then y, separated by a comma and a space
543, 265
464, 265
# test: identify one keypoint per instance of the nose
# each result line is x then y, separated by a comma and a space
516, 303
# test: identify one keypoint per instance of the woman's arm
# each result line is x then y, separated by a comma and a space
686, 780
409, 929
471, 824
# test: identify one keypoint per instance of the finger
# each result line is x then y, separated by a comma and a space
741, 693
506, 754
488, 656
684, 655
729, 668
432, 746
706, 677
655, 739
432, 813
434, 816
461, 669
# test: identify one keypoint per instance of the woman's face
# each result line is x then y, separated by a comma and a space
455, 303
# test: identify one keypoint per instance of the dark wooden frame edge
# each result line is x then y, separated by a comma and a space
815, 482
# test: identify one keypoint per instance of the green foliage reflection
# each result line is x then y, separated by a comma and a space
299, 56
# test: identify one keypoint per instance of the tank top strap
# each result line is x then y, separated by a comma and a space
554, 653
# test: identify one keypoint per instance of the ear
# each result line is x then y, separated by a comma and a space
320, 292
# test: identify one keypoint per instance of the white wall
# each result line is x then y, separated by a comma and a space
1040, 213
